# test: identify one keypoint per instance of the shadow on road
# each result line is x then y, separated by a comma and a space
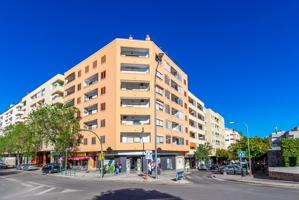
4, 172
134, 194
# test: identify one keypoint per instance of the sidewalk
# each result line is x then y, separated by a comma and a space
167, 177
258, 181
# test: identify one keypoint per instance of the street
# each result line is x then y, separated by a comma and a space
25, 185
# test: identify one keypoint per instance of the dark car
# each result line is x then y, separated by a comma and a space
214, 168
2, 165
231, 169
52, 168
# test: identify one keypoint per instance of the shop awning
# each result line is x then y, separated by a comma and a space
192, 145
78, 158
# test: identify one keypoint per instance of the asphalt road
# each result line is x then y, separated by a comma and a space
23, 185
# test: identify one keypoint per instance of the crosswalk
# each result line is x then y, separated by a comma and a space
31, 188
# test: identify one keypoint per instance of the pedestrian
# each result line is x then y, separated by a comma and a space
116, 168
149, 168
120, 167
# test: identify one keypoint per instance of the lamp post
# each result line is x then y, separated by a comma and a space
158, 59
101, 143
248, 145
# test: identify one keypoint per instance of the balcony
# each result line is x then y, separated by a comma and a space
91, 95
176, 100
134, 52
175, 74
134, 68
90, 110
135, 103
134, 86
90, 125
57, 87
177, 127
70, 78
69, 91
135, 119
57, 98
135, 137
175, 86
91, 80
177, 113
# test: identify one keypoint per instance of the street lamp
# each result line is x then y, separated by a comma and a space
101, 142
248, 145
158, 59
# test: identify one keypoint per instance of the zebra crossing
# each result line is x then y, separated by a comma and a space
31, 188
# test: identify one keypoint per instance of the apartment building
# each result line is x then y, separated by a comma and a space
215, 132
114, 89
48, 93
231, 137
197, 132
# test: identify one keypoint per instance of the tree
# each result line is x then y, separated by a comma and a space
258, 146
222, 154
202, 152
290, 151
55, 125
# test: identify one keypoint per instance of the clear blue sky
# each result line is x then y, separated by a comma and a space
242, 57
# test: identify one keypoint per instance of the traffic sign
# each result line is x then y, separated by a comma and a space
241, 154
148, 155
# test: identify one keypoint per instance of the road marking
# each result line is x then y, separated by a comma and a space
45, 191
26, 184
69, 190
35, 188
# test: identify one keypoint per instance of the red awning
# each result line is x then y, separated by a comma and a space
78, 158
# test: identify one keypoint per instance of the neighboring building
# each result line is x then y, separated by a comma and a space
231, 137
114, 90
48, 93
197, 130
215, 133
275, 138
293, 133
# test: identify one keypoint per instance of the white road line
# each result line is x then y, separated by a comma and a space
45, 191
26, 184
69, 190
35, 188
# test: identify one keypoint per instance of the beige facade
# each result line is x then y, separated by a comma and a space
215, 131
231, 137
197, 132
114, 91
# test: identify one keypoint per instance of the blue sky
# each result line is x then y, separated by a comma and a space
242, 57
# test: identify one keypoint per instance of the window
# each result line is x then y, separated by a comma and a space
103, 90
135, 137
167, 94
103, 59
167, 109
159, 75
79, 73
168, 124
159, 122
79, 87
102, 138
103, 74
94, 64
93, 140
168, 139
186, 130
85, 141
159, 90
185, 82
160, 139
185, 93
159, 105
166, 79
87, 69
185, 105
134, 52
78, 100
103, 106
103, 123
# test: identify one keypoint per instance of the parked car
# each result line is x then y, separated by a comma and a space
30, 167
52, 168
21, 166
214, 168
2, 165
231, 169
202, 166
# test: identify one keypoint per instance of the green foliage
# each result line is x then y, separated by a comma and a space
202, 152
290, 151
55, 124
258, 146
222, 154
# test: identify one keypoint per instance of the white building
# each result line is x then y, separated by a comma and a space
231, 137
